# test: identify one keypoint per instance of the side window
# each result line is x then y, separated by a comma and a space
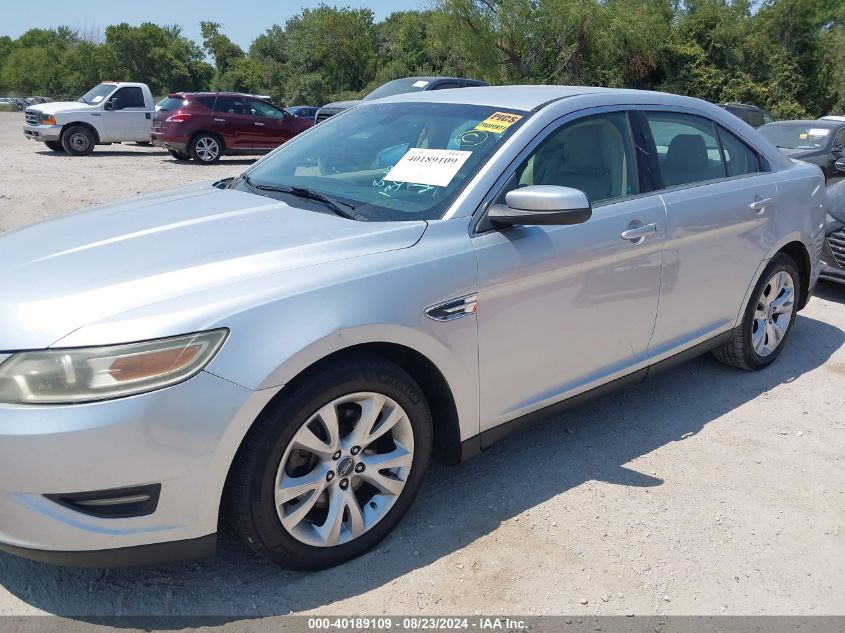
840, 139
755, 118
208, 102
594, 154
687, 148
259, 108
231, 105
446, 85
739, 158
129, 98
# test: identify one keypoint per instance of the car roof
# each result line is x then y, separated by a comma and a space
532, 97
819, 123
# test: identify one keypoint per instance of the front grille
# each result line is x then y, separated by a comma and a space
31, 117
836, 243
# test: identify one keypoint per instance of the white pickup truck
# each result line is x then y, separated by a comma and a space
111, 112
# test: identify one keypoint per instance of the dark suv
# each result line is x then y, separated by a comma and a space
751, 114
206, 125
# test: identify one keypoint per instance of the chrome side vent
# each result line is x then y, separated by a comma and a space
453, 308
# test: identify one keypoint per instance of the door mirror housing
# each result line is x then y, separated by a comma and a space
840, 164
542, 205
111, 104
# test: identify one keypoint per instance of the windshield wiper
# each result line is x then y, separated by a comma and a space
302, 192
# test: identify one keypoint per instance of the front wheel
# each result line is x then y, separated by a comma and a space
78, 141
330, 469
768, 318
56, 146
206, 148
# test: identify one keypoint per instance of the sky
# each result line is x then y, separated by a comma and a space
242, 20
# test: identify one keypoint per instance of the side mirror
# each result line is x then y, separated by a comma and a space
111, 104
840, 164
540, 205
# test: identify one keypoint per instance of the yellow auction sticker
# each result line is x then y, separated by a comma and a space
498, 122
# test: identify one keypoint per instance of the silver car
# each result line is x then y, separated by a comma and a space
414, 278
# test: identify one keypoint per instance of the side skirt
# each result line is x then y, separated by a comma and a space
475, 445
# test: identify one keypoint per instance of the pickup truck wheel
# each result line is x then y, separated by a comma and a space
78, 141
179, 155
206, 148
328, 471
56, 146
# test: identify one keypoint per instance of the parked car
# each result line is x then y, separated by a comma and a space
420, 276
833, 251
303, 112
751, 114
820, 142
207, 125
398, 86
832, 117
111, 112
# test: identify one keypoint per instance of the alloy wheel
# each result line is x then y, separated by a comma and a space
773, 313
344, 469
207, 149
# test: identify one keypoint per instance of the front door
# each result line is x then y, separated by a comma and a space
564, 308
126, 116
271, 126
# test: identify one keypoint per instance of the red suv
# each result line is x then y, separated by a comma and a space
206, 125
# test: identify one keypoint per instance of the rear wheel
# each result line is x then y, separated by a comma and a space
206, 148
329, 470
56, 146
179, 155
768, 318
78, 141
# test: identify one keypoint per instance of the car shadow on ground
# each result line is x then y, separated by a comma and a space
99, 153
830, 291
456, 506
222, 162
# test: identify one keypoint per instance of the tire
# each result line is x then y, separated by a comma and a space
270, 455
56, 146
78, 141
206, 148
768, 318
179, 155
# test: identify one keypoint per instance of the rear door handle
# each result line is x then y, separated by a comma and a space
639, 232
760, 206
261, 124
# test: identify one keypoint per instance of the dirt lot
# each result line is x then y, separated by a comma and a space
705, 491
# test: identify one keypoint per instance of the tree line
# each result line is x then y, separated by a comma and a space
784, 55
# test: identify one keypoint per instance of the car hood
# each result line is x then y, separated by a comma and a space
65, 273
799, 153
340, 106
57, 107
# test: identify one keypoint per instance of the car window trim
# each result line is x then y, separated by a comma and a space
480, 211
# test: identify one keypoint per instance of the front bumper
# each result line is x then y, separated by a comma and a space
832, 258
183, 438
42, 133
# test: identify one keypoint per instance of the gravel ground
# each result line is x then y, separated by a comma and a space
704, 491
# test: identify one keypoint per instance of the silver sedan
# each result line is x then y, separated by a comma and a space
414, 278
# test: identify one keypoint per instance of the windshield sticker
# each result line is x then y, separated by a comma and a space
420, 84
436, 167
819, 131
97, 99
498, 122
472, 137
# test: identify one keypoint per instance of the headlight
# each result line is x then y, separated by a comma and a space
85, 374
47, 119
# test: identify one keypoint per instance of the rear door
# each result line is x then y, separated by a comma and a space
232, 119
720, 204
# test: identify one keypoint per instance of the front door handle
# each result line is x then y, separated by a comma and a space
261, 124
760, 206
220, 120
639, 233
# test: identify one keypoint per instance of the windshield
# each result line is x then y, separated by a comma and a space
97, 93
392, 161
398, 87
796, 135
